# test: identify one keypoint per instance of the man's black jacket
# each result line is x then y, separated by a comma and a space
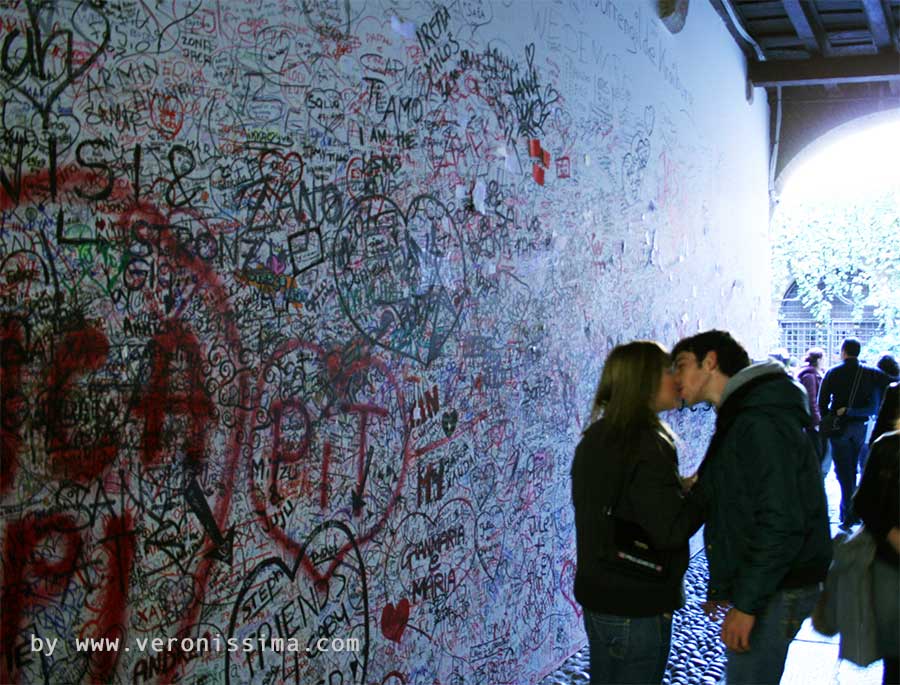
834, 392
767, 527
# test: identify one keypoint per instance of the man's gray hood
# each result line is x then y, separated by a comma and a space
748, 374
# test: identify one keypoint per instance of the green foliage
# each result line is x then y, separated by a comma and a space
841, 247
889, 343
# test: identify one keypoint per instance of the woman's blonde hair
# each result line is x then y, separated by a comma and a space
628, 386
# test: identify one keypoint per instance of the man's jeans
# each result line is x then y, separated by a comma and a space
628, 650
774, 628
845, 449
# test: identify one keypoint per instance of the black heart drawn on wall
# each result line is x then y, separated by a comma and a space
325, 107
324, 593
401, 276
25, 65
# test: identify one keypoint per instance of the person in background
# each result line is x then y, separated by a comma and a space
782, 356
810, 377
890, 407
626, 461
767, 537
877, 502
834, 396
889, 365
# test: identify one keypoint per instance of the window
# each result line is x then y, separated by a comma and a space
800, 331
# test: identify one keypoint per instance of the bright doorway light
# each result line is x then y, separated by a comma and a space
858, 163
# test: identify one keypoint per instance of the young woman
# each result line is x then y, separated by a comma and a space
626, 470
811, 378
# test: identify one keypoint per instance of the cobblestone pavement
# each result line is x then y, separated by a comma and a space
696, 657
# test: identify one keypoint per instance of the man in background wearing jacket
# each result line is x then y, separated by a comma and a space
848, 448
767, 537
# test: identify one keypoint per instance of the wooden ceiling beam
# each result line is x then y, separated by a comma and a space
850, 36
763, 10
821, 71
878, 23
791, 41
807, 28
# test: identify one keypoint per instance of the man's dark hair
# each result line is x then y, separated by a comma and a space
851, 346
730, 353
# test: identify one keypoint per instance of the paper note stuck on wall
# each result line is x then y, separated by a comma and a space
405, 28
479, 195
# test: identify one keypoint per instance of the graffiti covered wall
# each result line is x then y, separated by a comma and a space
303, 303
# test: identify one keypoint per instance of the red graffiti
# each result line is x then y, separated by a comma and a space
176, 355
167, 115
29, 578
119, 545
12, 402
394, 619
340, 376
175, 388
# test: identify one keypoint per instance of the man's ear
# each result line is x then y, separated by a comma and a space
711, 361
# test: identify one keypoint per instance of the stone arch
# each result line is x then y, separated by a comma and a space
823, 131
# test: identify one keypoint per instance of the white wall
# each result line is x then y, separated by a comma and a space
296, 344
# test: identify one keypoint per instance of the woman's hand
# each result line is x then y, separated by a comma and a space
688, 482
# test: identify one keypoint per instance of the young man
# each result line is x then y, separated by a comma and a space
767, 537
848, 448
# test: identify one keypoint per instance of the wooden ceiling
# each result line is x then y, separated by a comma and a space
816, 42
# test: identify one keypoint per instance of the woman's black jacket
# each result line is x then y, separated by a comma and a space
877, 501
645, 473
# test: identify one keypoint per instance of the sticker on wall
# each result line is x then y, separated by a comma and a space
673, 14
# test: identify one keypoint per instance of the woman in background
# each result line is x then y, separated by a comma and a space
877, 502
810, 376
626, 465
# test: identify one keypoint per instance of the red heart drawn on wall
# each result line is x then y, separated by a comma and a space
329, 597
281, 172
394, 619
301, 434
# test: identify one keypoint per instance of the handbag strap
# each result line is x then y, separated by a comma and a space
625, 474
854, 388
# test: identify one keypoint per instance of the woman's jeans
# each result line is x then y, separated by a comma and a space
774, 628
628, 650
